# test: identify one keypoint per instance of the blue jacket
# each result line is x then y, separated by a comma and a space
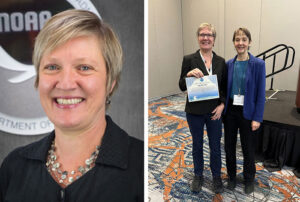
254, 100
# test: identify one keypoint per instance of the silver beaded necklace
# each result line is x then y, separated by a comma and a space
65, 177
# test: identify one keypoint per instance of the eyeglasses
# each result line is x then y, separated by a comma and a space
206, 35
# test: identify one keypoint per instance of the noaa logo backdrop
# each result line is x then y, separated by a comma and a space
20, 22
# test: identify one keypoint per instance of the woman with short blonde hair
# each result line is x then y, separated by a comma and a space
87, 157
205, 62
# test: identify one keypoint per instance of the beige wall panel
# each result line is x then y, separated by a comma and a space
241, 13
280, 24
195, 12
165, 47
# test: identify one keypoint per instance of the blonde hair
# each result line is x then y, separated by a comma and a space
209, 26
75, 23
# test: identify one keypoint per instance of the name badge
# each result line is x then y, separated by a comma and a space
238, 100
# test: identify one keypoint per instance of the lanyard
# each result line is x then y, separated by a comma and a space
209, 70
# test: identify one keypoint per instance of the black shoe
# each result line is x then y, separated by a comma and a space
218, 185
249, 187
197, 183
231, 184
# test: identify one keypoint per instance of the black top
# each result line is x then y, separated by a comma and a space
194, 61
117, 175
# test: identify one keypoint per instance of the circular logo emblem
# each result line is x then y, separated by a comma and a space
20, 22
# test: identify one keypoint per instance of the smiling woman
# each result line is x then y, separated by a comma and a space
202, 63
69, 77
87, 157
244, 107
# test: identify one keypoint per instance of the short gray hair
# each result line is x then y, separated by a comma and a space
209, 26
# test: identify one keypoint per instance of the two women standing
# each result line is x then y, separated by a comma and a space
243, 85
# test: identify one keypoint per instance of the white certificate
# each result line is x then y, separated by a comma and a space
204, 88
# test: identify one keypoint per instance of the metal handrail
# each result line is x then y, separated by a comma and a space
293, 58
282, 47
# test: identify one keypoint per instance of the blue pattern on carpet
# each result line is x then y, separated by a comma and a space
170, 168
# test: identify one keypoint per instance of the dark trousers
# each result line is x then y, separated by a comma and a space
214, 133
233, 121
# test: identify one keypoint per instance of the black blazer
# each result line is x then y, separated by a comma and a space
119, 168
193, 61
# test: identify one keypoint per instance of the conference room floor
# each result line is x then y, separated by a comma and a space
170, 164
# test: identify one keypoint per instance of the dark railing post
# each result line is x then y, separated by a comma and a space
273, 69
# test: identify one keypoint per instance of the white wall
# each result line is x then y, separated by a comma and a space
165, 47
242, 14
195, 12
270, 22
280, 22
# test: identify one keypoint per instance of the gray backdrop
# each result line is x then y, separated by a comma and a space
127, 108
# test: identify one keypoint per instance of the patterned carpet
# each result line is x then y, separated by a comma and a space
170, 168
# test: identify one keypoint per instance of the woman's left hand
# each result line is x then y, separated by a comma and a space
217, 112
255, 125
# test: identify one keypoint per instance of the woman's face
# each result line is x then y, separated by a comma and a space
72, 84
241, 43
206, 40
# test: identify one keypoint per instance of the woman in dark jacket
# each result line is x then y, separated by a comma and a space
244, 107
202, 63
78, 60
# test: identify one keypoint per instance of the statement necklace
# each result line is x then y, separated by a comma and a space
65, 177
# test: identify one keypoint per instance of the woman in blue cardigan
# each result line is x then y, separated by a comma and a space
244, 107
